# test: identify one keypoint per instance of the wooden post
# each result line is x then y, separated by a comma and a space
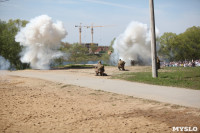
153, 40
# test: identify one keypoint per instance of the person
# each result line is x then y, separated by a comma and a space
193, 63
158, 63
99, 69
132, 62
121, 64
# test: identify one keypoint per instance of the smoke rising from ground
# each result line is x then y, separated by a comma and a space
41, 39
4, 64
133, 44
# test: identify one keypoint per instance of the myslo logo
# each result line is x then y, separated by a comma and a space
185, 129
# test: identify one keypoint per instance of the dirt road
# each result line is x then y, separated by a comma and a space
86, 78
35, 105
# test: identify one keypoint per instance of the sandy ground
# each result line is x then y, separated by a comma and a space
109, 70
86, 78
31, 105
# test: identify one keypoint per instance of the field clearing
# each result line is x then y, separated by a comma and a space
188, 77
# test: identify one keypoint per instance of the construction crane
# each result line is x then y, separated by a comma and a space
80, 30
92, 31
80, 26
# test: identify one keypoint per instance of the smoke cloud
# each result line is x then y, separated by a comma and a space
133, 44
4, 64
41, 39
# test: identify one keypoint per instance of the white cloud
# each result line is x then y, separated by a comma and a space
67, 2
108, 3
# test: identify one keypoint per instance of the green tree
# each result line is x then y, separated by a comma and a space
190, 43
65, 46
78, 53
106, 57
167, 45
10, 49
180, 47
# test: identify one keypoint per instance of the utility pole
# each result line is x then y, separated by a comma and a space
79, 32
153, 40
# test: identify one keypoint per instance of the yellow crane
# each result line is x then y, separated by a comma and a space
80, 26
92, 30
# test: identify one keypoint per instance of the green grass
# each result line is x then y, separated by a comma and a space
79, 66
75, 66
170, 76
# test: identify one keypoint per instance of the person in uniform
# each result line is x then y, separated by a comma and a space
158, 63
99, 69
121, 64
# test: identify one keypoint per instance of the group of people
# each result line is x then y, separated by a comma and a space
100, 68
192, 63
121, 64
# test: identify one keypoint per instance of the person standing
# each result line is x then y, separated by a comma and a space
158, 63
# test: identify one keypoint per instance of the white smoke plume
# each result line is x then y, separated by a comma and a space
41, 38
133, 44
4, 64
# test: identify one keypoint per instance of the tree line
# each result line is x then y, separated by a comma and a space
173, 47
184, 46
77, 53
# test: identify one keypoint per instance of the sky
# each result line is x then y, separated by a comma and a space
115, 15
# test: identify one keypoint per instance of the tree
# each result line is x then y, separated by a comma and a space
106, 57
65, 46
184, 46
78, 53
111, 45
190, 41
167, 45
10, 49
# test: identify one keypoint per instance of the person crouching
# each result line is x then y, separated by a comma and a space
121, 64
99, 69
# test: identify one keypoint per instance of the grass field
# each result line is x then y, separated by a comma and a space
188, 77
75, 66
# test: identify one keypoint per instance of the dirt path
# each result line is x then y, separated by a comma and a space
86, 78
32, 105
